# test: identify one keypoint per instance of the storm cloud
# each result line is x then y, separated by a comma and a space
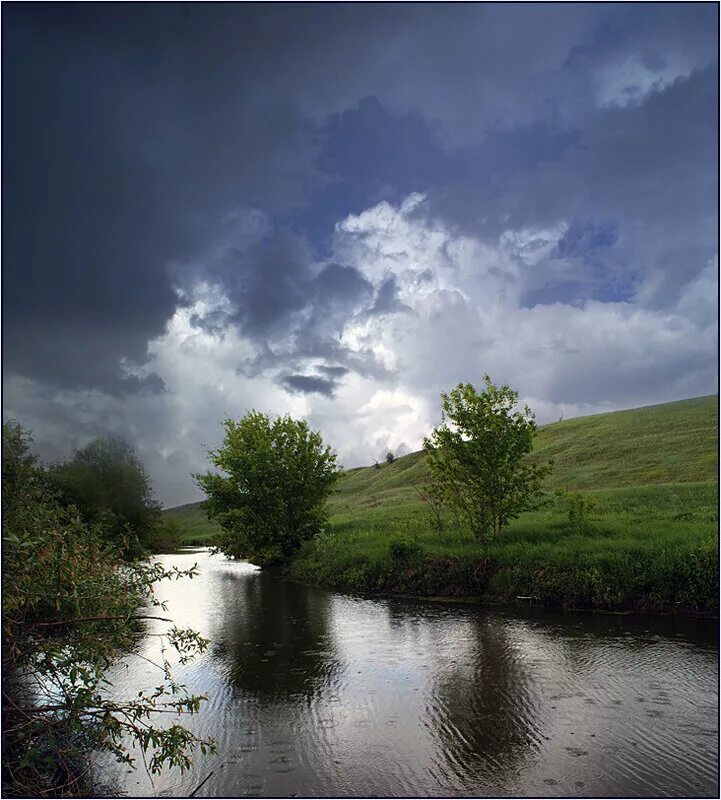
338, 211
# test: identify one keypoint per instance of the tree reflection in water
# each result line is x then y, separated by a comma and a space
273, 635
480, 709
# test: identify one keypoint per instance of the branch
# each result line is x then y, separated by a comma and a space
200, 785
94, 619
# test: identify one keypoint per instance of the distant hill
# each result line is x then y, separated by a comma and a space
668, 443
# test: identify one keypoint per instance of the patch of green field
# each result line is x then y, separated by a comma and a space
669, 443
650, 543
190, 524
647, 548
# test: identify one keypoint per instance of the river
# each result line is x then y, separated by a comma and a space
314, 692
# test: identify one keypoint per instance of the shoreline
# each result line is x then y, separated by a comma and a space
482, 601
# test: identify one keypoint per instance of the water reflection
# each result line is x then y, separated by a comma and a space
272, 636
323, 694
482, 710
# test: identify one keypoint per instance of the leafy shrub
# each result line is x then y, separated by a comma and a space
109, 486
70, 607
403, 548
579, 510
270, 495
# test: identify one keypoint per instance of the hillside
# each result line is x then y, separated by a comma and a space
668, 443
663, 444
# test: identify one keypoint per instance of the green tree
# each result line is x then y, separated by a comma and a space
277, 476
71, 605
477, 456
109, 485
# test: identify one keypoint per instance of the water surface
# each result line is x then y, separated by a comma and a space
318, 693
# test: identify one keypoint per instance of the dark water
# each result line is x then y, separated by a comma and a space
318, 693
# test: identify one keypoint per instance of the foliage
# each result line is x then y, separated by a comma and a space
580, 508
167, 536
70, 607
478, 461
110, 487
432, 496
404, 548
390, 457
278, 475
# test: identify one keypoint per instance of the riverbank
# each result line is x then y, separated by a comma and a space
646, 540
642, 549
645, 549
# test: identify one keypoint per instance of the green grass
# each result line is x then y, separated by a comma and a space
645, 548
650, 543
669, 443
190, 525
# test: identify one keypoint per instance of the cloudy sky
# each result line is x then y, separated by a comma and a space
339, 211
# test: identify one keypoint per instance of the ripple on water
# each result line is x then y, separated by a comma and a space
452, 700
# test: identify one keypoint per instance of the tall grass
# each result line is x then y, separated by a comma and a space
652, 548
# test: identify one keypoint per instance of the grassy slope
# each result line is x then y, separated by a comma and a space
191, 524
651, 543
669, 443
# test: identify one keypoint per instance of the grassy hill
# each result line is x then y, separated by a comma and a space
190, 525
662, 444
650, 475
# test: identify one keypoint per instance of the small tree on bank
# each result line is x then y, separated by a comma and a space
277, 476
478, 455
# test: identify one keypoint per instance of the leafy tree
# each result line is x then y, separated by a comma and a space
278, 474
390, 456
110, 487
478, 455
71, 606
432, 495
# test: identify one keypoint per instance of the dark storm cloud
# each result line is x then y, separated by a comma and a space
387, 300
276, 288
333, 371
153, 146
122, 148
309, 384
131, 129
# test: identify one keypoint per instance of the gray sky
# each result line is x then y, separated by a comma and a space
339, 211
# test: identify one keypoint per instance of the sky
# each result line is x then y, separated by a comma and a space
341, 211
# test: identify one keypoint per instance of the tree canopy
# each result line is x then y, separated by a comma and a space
277, 475
109, 485
478, 455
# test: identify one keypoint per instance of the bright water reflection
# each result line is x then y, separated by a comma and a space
318, 693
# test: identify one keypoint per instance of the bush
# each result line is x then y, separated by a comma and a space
579, 510
70, 606
110, 487
477, 457
403, 548
390, 457
167, 536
